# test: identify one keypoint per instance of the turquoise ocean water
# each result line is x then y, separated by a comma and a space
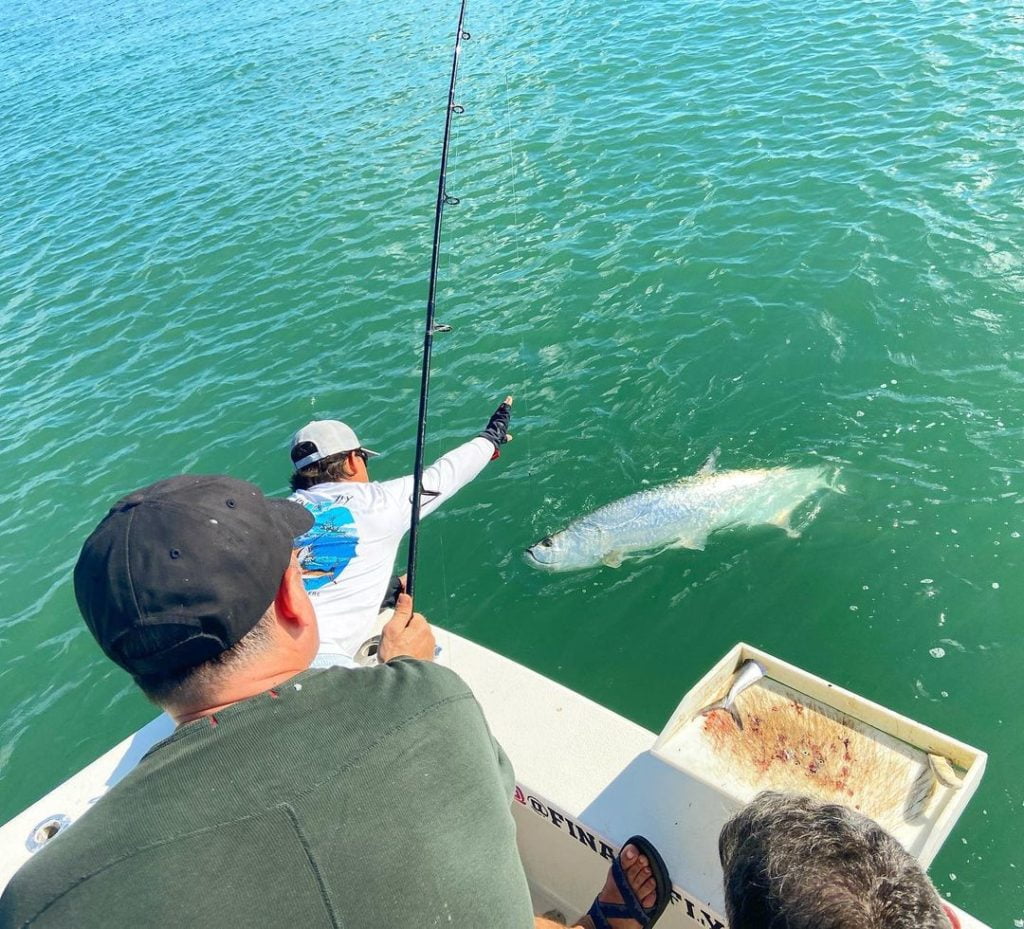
790, 230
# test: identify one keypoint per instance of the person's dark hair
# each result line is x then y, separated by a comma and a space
790, 862
325, 471
192, 686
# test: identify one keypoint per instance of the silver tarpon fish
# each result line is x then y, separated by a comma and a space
750, 673
679, 515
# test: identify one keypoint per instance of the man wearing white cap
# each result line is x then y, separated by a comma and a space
347, 558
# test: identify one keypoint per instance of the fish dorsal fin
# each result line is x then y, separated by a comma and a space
711, 464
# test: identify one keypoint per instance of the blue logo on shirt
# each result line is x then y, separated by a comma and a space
328, 547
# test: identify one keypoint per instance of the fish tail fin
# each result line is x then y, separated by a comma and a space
723, 704
711, 707
832, 482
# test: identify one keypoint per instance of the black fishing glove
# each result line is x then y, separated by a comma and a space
496, 430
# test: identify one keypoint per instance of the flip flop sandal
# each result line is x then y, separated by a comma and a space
601, 912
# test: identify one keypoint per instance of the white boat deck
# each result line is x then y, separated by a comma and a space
586, 779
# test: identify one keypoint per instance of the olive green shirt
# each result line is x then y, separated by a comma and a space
344, 798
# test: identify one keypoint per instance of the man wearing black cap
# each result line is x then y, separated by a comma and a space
285, 797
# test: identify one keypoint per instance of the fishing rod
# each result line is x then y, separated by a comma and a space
443, 199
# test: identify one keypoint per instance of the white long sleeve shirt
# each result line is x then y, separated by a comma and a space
348, 557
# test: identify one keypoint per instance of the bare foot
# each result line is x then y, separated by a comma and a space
638, 873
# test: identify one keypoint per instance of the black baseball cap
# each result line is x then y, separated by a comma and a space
181, 570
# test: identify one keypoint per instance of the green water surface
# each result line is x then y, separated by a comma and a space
791, 230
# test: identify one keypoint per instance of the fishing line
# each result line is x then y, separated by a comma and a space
443, 199
444, 579
512, 162
518, 277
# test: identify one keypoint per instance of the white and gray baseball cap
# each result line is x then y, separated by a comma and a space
328, 437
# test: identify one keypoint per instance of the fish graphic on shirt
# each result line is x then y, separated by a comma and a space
328, 547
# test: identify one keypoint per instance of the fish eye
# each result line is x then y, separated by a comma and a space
546, 541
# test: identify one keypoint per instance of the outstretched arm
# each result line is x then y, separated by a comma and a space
452, 471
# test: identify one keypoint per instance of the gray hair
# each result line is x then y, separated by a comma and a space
793, 863
199, 683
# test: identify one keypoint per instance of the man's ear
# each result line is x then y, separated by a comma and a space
352, 462
292, 605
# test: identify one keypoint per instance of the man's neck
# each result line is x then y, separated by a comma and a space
363, 478
234, 691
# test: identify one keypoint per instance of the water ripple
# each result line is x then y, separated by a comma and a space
789, 231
